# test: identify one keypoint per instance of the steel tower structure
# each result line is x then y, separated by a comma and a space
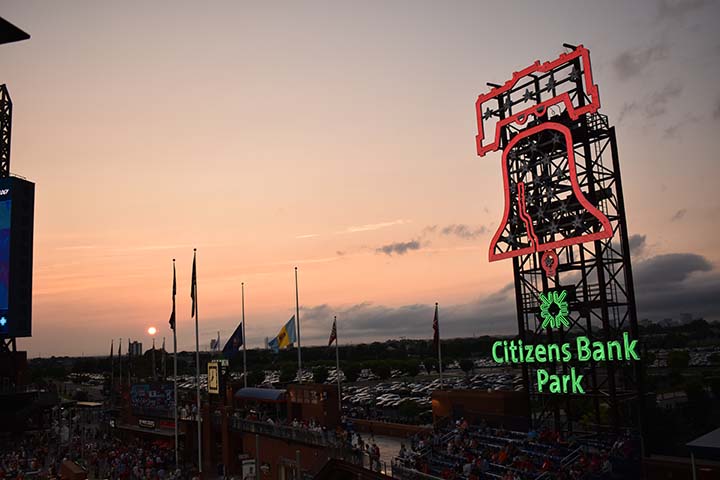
564, 227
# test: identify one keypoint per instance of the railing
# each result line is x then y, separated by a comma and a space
571, 457
406, 473
322, 439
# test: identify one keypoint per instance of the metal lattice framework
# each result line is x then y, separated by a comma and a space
564, 195
5, 131
6, 345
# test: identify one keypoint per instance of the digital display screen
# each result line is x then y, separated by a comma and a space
17, 205
5, 208
152, 399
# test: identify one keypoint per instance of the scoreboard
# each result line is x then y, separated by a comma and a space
17, 207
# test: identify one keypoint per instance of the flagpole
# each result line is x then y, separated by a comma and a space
197, 361
120, 362
164, 365
129, 375
153, 360
112, 372
297, 316
337, 366
243, 337
439, 345
174, 329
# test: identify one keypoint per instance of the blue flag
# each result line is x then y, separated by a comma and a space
234, 343
273, 345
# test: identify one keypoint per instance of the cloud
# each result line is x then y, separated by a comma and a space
490, 314
716, 111
463, 231
670, 268
399, 248
627, 109
339, 253
656, 103
671, 132
308, 235
637, 244
674, 10
631, 63
667, 285
372, 226
678, 215
429, 229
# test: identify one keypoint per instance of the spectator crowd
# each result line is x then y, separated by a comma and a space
474, 452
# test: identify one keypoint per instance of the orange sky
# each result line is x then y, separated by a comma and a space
313, 134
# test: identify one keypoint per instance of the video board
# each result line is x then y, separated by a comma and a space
17, 206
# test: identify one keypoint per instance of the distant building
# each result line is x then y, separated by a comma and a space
135, 349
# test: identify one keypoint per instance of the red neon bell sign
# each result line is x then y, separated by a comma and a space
534, 115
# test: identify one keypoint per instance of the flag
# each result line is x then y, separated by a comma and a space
174, 291
193, 288
286, 337
436, 331
333, 333
273, 345
234, 343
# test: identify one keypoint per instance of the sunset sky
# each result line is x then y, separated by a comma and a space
337, 137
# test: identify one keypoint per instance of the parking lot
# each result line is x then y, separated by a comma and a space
410, 400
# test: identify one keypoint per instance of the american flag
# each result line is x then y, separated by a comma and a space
333, 333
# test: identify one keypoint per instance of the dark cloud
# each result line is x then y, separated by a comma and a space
671, 132
670, 268
638, 243
429, 229
656, 103
631, 63
339, 253
678, 215
463, 231
627, 109
399, 248
492, 314
668, 285
665, 285
674, 10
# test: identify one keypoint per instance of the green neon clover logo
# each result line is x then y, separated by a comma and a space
554, 320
